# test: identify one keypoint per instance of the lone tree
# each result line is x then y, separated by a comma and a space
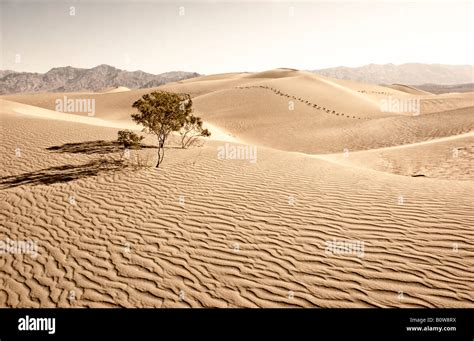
191, 131
162, 113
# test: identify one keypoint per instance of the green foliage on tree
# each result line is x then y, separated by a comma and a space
129, 139
162, 113
192, 130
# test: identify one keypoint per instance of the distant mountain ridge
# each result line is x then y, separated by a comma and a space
71, 79
410, 74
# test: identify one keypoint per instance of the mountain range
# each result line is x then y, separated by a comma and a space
410, 74
71, 79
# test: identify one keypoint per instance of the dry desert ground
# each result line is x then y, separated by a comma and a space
326, 164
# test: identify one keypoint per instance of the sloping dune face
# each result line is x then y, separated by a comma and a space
444, 158
386, 221
409, 89
310, 114
117, 89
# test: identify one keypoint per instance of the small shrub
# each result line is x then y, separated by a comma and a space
129, 139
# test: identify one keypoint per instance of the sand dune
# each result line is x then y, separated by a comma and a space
117, 89
444, 158
443, 102
29, 110
319, 127
328, 115
409, 89
206, 232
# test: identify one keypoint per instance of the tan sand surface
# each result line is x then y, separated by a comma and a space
204, 232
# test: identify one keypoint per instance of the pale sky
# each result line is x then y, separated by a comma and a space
215, 36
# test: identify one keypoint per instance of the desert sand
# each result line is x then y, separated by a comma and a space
205, 232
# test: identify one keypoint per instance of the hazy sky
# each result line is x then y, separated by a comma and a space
215, 36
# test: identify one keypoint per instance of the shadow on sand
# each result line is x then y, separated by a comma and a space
60, 174
65, 173
93, 147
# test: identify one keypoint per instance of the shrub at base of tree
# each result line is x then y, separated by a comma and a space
129, 139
